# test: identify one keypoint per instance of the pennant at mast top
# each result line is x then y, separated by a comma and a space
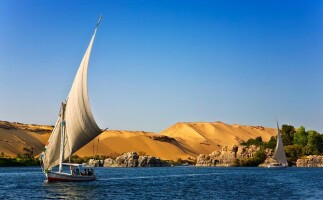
98, 22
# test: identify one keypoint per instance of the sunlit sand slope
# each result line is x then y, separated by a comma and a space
16, 136
114, 141
182, 140
205, 137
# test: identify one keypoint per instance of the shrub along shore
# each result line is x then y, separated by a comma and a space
26, 159
298, 143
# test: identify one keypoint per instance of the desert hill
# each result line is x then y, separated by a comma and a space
206, 137
182, 140
115, 141
15, 136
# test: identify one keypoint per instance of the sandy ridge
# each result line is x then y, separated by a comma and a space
181, 140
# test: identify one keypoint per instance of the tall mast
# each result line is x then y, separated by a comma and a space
81, 127
61, 155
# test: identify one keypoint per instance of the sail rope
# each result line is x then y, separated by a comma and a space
93, 149
97, 146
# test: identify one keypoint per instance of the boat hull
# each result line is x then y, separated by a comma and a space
276, 167
64, 177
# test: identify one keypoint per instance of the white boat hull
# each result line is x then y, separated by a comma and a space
65, 177
276, 167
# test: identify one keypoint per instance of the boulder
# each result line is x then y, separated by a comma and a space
269, 160
109, 162
94, 163
227, 156
151, 161
310, 161
131, 159
208, 160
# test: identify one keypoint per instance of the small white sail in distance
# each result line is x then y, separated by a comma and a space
279, 150
80, 125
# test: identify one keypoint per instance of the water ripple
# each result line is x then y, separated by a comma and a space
168, 183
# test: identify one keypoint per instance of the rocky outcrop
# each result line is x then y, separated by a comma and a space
310, 161
151, 161
228, 156
109, 162
268, 161
95, 163
131, 159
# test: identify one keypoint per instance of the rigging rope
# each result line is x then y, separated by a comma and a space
97, 146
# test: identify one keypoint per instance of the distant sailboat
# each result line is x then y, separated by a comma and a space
74, 128
280, 155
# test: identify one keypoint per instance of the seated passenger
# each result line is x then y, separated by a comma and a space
84, 172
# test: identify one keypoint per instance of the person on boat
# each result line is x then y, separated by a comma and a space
84, 172
72, 169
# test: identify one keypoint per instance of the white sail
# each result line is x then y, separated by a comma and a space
51, 151
80, 126
279, 151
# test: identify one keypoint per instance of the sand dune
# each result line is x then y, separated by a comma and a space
182, 140
15, 136
205, 137
124, 141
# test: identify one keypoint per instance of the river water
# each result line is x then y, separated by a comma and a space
168, 183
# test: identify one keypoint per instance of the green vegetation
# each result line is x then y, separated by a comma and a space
256, 160
314, 144
271, 144
297, 143
287, 133
300, 137
293, 152
257, 142
25, 159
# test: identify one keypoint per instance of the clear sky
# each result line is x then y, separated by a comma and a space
155, 63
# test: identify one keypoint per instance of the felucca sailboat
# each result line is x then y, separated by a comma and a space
280, 155
74, 128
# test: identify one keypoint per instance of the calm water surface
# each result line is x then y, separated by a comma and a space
168, 183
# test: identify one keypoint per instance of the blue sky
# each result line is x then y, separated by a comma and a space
155, 63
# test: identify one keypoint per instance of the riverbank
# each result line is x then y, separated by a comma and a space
236, 156
133, 159
18, 162
310, 161
180, 144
